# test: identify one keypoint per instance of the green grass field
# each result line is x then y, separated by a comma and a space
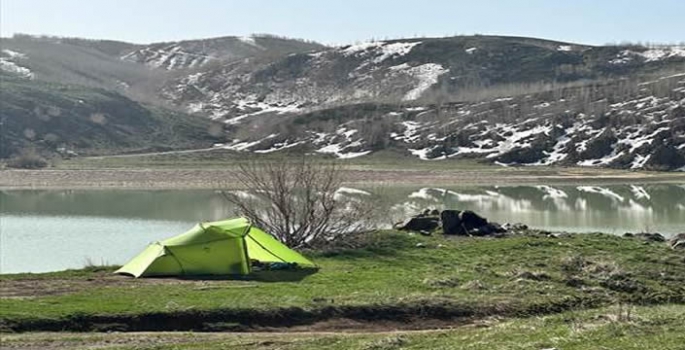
389, 277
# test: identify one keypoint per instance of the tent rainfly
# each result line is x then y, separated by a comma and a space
214, 248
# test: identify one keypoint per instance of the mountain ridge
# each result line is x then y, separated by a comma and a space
266, 90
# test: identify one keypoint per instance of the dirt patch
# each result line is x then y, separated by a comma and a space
28, 287
415, 315
64, 340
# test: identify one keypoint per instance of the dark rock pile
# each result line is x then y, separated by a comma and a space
422, 224
675, 242
456, 222
645, 236
467, 223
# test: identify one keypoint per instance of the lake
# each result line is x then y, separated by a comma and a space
51, 230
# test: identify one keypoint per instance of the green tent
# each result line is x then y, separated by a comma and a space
213, 248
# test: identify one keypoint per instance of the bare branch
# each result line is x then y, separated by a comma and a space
298, 200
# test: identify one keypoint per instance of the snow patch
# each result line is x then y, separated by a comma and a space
410, 132
399, 67
423, 153
658, 54
649, 55
639, 161
352, 191
279, 147
427, 75
14, 54
606, 160
262, 108
394, 50
358, 48
11, 67
243, 146
381, 50
250, 40
338, 151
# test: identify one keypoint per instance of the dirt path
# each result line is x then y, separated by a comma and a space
218, 178
31, 341
154, 154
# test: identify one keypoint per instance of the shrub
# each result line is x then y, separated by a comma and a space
28, 159
299, 201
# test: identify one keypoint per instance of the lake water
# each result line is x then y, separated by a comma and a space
52, 230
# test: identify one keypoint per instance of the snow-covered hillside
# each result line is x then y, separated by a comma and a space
640, 127
400, 70
506, 100
193, 54
366, 71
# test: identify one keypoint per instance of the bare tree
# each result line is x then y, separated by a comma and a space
299, 201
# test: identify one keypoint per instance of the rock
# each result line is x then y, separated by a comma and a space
492, 228
451, 223
471, 220
455, 222
650, 237
515, 227
677, 241
419, 224
420, 245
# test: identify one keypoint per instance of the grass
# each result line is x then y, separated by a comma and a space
514, 276
386, 160
656, 327
219, 158
211, 169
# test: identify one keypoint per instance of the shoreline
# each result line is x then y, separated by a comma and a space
193, 178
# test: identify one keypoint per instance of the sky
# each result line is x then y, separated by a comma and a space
338, 22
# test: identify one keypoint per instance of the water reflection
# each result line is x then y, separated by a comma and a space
170, 205
613, 209
572, 208
52, 230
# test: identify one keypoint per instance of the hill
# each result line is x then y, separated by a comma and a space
509, 100
130, 68
52, 87
405, 70
621, 124
197, 53
71, 119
